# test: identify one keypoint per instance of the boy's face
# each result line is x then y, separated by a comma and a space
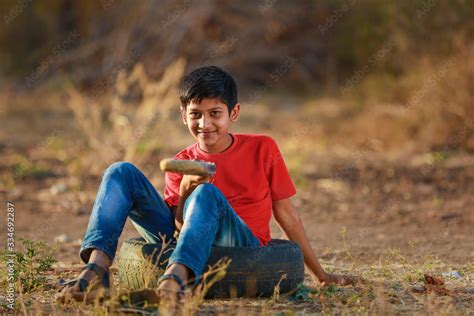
209, 123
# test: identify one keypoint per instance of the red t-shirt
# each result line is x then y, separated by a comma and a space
250, 173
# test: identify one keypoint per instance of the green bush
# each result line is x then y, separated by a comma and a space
32, 263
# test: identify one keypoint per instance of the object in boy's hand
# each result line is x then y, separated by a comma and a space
194, 167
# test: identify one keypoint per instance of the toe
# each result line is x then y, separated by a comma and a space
68, 293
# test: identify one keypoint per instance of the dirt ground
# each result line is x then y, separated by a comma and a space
383, 216
387, 207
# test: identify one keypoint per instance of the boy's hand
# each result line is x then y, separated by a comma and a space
190, 182
339, 279
186, 187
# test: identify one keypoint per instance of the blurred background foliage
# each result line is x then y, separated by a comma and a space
382, 59
247, 38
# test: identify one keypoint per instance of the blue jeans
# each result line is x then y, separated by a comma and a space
126, 192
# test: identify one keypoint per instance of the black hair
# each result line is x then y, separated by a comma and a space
208, 82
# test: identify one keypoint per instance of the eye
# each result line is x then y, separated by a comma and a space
194, 114
215, 113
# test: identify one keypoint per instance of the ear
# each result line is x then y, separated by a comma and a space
234, 114
183, 115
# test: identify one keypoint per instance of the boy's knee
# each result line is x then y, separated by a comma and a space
206, 188
119, 167
205, 191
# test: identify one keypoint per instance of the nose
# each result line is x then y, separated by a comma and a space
203, 121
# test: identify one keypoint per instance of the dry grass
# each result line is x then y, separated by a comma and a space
393, 285
123, 125
128, 125
428, 109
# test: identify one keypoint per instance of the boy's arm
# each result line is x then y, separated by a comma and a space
292, 226
186, 187
178, 210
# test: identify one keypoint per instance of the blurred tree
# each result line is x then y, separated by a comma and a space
252, 40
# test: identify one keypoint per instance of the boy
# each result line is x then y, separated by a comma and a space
232, 208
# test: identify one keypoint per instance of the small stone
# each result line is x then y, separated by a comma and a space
16, 194
58, 188
77, 242
418, 288
469, 290
452, 274
81, 210
64, 238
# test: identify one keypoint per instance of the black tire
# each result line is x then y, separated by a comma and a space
253, 271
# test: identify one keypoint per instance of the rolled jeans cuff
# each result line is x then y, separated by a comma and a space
86, 250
